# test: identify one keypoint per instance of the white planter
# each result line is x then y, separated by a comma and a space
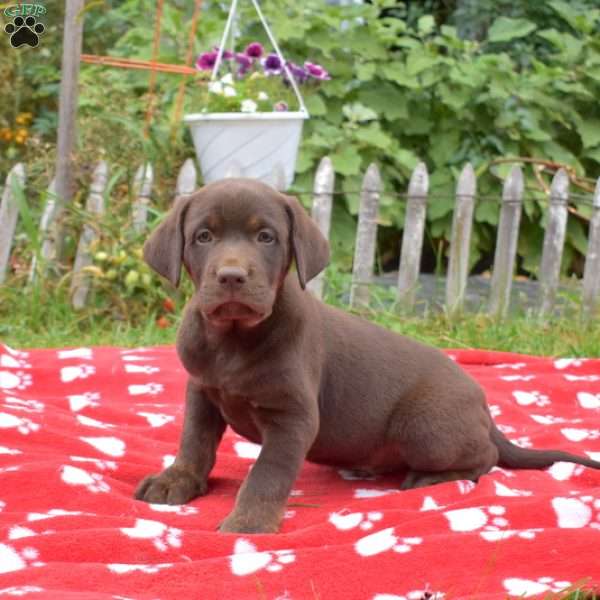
259, 145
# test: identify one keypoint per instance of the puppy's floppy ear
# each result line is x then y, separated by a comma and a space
163, 250
309, 246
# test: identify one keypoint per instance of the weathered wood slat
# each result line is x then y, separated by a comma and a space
412, 236
9, 213
48, 249
506, 243
554, 241
321, 211
186, 180
142, 188
591, 272
460, 243
80, 285
67, 112
366, 237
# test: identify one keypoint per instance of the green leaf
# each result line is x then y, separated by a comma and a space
487, 212
417, 61
439, 207
589, 131
576, 235
366, 71
315, 105
426, 24
347, 161
406, 159
594, 154
357, 112
387, 100
373, 136
505, 29
398, 73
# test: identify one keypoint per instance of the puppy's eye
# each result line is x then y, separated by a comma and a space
204, 237
265, 237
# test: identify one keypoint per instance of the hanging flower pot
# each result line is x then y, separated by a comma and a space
245, 127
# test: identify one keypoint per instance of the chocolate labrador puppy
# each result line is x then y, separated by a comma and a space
303, 379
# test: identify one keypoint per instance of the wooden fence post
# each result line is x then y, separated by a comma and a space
186, 180
142, 188
460, 243
48, 249
321, 211
506, 243
9, 213
67, 113
80, 286
412, 236
591, 273
366, 238
554, 241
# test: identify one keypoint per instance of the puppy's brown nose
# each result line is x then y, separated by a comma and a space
232, 277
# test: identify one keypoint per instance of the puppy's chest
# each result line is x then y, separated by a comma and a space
241, 413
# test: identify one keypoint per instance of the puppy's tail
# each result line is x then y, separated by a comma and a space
514, 457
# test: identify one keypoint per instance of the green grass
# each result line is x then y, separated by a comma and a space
42, 317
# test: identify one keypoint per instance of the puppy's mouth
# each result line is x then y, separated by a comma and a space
232, 311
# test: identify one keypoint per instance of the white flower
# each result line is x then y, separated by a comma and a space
229, 91
263, 96
215, 87
227, 79
249, 106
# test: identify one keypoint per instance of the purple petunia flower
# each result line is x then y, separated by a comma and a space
272, 65
244, 62
255, 50
281, 106
206, 61
316, 71
300, 74
227, 54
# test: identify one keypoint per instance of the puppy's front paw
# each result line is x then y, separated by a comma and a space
247, 524
173, 486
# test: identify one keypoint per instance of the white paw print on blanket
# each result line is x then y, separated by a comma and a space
527, 587
93, 482
384, 540
247, 449
345, 520
551, 419
183, 510
108, 445
161, 535
570, 377
517, 377
83, 353
33, 406
79, 401
104, 465
156, 419
13, 560
487, 519
575, 434
412, 595
563, 363
15, 381
518, 365
528, 398
68, 374
22, 425
145, 388
575, 513
247, 559
147, 369
13, 362
89, 422
21, 590
563, 471
587, 400
122, 568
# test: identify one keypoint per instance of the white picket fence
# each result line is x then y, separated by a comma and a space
366, 234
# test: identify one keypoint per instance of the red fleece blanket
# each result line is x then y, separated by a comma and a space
80, 428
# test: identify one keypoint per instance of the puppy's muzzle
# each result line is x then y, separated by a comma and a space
232, 279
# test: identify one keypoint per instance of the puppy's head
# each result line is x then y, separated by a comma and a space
237, 239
